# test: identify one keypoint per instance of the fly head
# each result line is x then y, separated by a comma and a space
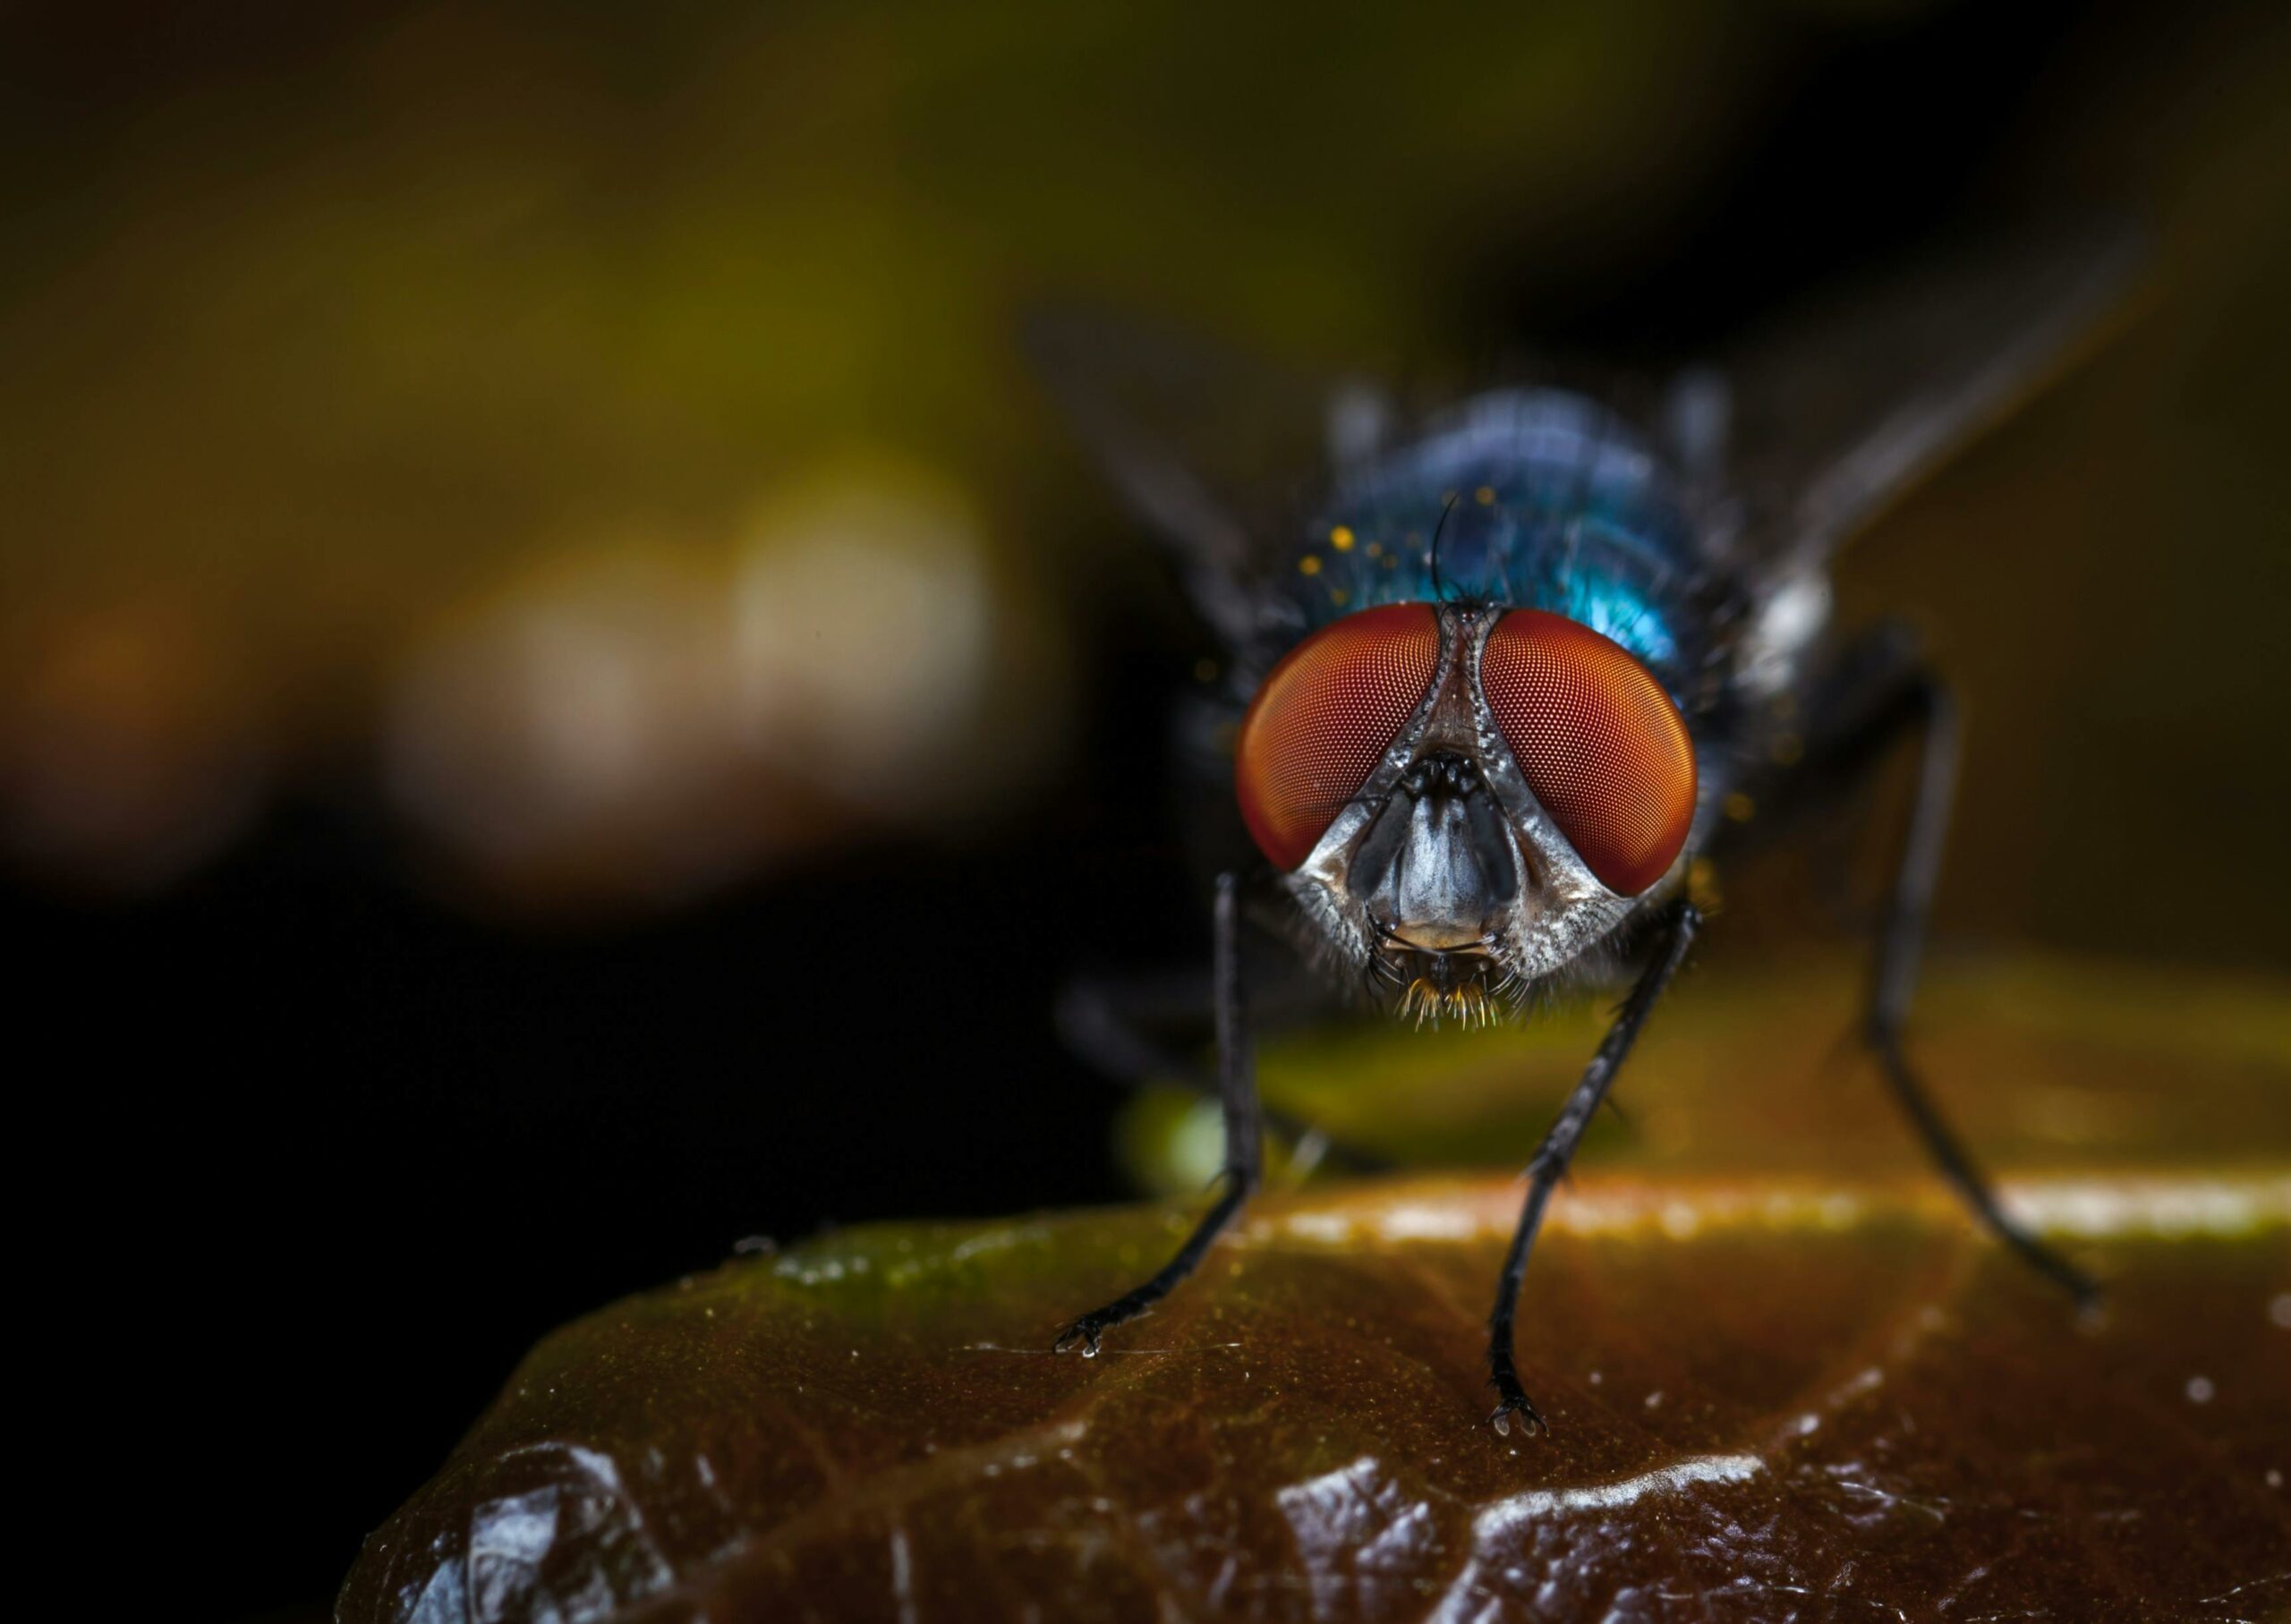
1464, 800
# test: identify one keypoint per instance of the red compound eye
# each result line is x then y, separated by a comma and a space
1602, 745
1325, 719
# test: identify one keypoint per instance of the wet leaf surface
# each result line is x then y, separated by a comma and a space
1777, 1391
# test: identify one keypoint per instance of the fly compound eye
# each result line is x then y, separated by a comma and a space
1602, 747
1324, 718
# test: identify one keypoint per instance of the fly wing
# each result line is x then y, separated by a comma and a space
1213, 452
1846, 409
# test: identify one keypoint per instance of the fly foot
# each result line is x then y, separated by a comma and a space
1083, 1333
1514, 1402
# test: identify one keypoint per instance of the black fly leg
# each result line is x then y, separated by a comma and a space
1558, 1148
1877, 689
1237, 1089
1925, 702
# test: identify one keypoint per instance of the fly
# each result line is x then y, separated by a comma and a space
1520, 665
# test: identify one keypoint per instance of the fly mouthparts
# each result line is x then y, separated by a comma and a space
1467, 1004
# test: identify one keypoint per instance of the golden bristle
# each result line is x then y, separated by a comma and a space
1469, 1005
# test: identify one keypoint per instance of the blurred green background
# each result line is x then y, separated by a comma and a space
563, 698
364, 371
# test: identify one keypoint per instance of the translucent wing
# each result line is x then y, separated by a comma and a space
1839, 414
1215, 452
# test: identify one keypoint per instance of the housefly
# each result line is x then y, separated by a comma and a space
1512, 670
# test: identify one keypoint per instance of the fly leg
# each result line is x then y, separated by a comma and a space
1926, 704
1237, 1091
1881, 688
1558, 1148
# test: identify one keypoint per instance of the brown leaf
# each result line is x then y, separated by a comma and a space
1785, 1375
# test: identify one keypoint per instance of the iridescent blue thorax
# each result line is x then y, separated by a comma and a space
1539, 499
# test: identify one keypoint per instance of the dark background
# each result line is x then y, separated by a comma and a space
325, 1121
